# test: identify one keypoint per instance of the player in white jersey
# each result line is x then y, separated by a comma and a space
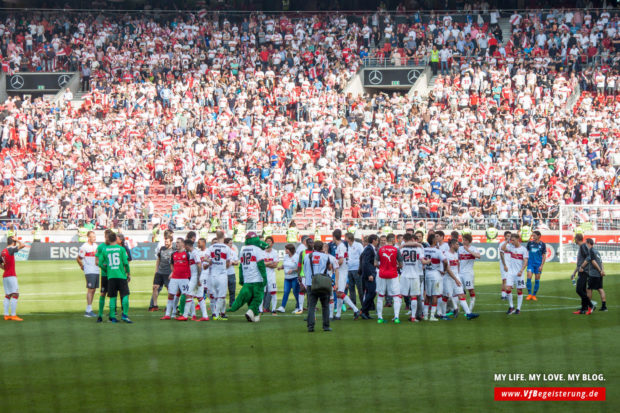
86, 259
453, 287
503, 263
342, 258
433, 282
196, 284
272, 260
220, 256
467, 255
412, 271
517, 262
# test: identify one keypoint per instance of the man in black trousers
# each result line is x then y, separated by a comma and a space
369, 272
582, 279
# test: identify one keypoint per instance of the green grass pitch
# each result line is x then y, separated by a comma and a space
57, 360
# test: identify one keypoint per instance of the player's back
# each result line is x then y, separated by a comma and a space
436, 257
220, 253
249, 257
115, 258
342, 252
388, 261
412, 261
8, 259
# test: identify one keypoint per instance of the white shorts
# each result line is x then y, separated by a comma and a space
450, 289
271, 286
467, 280
433, 286
178, 286
220, 285
10, 285
343, 279
515, 280
410, 287
503, 273
197, 286
388, 286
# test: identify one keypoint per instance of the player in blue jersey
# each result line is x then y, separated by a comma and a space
537, 256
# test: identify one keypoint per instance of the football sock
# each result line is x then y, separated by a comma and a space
101, 305
112, 307
414, 306
536, 286
339, 307
188, 306
519, 299
212, 304
379, 307
169, 306
125, 305
455, 303
203, 307
182, 302
331, 308
397, 304
7, 301
175, 303
603, 304
472, 301
433, 310
274, 302
302, 297
528, 284
13, 303
349, 302
510, 304
221, 305
89, 308
426, 310
465, 306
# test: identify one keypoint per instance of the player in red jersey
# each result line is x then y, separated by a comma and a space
181, 261
388, 260
9, 278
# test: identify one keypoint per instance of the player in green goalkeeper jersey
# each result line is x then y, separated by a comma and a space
114, 262
104, 277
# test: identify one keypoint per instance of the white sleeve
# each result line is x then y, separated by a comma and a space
82, 252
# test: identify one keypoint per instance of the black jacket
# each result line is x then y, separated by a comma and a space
367, 262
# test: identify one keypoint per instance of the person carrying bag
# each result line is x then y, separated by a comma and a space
318, 284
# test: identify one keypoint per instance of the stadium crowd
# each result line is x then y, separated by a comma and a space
250, 120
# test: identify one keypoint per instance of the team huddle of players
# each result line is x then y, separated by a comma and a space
427, 272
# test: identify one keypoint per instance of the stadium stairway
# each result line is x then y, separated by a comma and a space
77, 101
504, 24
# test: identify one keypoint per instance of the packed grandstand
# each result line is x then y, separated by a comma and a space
188, 118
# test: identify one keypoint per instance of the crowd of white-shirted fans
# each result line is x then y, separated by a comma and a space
245, 117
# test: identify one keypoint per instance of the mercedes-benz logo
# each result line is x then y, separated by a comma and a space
63, 80
413, 75
17, 82
375, 77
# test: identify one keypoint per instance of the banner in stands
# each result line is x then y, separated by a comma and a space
69, 251
147, 251
37, 82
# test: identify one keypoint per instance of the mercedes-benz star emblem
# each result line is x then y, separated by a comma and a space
375, 77
413, 75
63, 80
17, 82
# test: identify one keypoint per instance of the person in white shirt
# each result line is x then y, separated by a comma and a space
503, 263
290, 267
342, 256
271, 263
232, 278
412, 271
452, 288
219, 263
355, 279
87, 262
467, 255
517, 262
